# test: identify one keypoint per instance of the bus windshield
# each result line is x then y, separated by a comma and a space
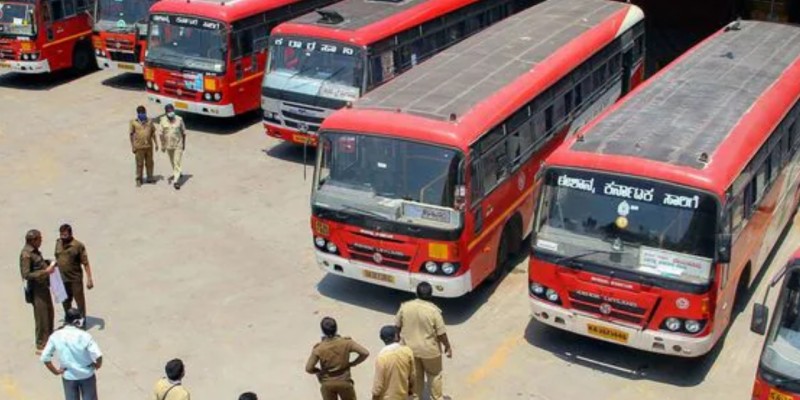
123, 15
399, 180
17, 19
187, 43
316, 68
782, 346
642, 226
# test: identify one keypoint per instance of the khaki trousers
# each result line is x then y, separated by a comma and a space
430, 368
75, 292
175, 158
337, 390
43, 315
144, 158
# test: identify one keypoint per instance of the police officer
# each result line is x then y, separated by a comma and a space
36, 272
173, 141
330, 361
143, 141
394, 368
70, 256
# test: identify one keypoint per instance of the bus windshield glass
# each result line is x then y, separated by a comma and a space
123, 15
187, 43
17, 19
782, 347
396, 179
315, 67
641, 226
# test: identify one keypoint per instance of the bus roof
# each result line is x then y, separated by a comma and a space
221, 10
724, 97
460, 93
369, 21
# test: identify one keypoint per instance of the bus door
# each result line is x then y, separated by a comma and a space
62, 29
248, 59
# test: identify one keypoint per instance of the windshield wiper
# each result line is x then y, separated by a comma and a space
581, 255
364, 212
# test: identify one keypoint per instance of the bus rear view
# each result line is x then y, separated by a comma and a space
120, 38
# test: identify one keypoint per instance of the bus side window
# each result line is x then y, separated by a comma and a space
57, 7
69, 8
750, 198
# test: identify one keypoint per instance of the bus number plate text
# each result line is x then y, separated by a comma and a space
378, 276
776, 395
607, 333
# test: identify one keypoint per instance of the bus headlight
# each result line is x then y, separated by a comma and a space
24, 57
672, 324
692, 326
552, 295
431, 267
149, 84
448, 268
217, 96
155, 86
320, 242
537, 289
34, 56
207, 96
331, 247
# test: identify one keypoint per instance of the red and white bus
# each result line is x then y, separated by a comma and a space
120, 34
41, 36
778, 374
208, 56
652, 222
429, 177
323, 60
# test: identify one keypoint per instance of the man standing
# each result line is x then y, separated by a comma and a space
70, 255
171, 388
394, 368
143, 141
173, 141
36, 272
422, 329
79, 357
333, 356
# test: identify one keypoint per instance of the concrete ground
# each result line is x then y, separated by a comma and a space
221, 273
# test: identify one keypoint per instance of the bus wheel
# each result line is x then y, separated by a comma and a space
502, 258
83, 58
742, 292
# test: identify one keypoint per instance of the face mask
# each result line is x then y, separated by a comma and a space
171, 114
142, 116
67, 240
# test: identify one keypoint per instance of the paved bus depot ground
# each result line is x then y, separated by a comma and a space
222, 272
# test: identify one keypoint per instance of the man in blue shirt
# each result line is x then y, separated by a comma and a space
79, 357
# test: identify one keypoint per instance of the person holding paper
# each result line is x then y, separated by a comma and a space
35, 271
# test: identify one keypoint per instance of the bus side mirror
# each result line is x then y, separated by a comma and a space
724, 248
760, 316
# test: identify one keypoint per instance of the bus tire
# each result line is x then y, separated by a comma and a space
742, 289
83, 59
508, 249
502, 258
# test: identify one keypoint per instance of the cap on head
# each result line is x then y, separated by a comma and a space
328, 326
72, 316
174, 369
424, 291
389, 334
169, 108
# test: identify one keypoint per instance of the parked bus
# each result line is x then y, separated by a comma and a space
429, 177
41, 36
208, 56
652, 222
120, 34
778, 374
322, 60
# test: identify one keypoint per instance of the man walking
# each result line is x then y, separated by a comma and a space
330, 361
70, 256
173, 141
394, 368
143, 141
79, 358
36, 272
171, 387
422, 329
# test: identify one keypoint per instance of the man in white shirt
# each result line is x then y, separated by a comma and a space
79, 357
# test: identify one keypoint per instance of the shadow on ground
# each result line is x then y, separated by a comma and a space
13, 80
291, 152
126, 81
218, 126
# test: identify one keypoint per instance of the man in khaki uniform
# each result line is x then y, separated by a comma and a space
422, 329
332, 355
394, 368
173, 141
70, 256
170, 387
143, 141
36, 272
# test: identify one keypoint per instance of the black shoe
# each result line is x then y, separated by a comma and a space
150, 180
176, 186
138, 183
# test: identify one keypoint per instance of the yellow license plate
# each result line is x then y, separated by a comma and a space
126, 67
4, 65
301, 138
181, 105
607, 333
378, 276
776, 395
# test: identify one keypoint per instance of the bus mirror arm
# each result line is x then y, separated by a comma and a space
723, 248
760, 316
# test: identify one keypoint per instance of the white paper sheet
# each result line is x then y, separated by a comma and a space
57, 287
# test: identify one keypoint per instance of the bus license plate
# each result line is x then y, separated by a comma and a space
126, 67
378, 276
181, 105
776, 395
302, 139
607, 333
4, 64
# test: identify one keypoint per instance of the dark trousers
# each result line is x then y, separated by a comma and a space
336, 390
75, 292
42, 315
144, 158
85, 389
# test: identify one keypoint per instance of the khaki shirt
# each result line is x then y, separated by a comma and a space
394, 373
70, 258
333, 356
421, 324
172, 132
177, 393
143, 134
32, 267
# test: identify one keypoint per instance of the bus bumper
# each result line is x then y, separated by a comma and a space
647, 340
105, 63
26, 67
194, 107
442, 286
290, 135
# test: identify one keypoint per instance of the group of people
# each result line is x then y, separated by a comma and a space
411, 356
145, 135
